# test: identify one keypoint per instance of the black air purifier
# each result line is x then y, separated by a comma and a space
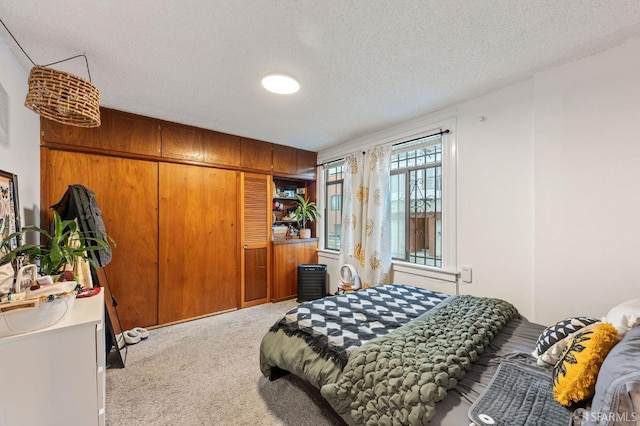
312, 282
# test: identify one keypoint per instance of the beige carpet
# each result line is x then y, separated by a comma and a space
206, 372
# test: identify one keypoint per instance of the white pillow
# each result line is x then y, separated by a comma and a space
624, 316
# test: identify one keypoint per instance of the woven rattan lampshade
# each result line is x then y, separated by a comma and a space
63, 97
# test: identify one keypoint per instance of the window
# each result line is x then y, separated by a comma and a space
333, 214
422, 197
416, 201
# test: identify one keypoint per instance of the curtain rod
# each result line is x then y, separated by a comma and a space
440, 133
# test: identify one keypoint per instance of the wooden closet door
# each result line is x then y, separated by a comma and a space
127, 194
256, 235
198, 241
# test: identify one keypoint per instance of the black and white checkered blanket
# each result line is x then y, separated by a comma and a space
334, 326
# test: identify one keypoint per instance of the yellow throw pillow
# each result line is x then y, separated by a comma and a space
576, 372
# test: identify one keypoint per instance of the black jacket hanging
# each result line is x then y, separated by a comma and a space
78, 202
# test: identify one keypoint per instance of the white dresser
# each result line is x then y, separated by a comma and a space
56, 376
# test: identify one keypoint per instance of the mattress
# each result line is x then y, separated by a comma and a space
375, 315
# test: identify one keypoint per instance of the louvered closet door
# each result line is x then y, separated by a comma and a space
256, 234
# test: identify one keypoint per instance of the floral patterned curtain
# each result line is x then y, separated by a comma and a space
365, 242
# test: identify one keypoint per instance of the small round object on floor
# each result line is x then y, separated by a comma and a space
142, 332
131, 337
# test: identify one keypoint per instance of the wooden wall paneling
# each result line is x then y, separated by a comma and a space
286, 258
221, 149
182, 142
198, 244
126, 191
306, 163
284, 160
255, 238
255, 155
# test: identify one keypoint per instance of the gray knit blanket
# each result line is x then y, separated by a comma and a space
397, 379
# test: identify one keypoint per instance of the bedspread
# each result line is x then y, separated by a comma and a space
314, 340
399, 377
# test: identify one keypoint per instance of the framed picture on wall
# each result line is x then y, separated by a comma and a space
9, 212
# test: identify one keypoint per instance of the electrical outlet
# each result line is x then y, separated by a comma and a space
465, 274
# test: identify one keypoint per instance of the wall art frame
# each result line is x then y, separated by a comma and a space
9, 212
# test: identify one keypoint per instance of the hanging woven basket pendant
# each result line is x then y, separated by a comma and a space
63, 97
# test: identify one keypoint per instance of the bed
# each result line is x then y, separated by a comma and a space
397, 354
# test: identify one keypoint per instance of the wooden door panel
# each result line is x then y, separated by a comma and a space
126, 191
182, 142
306, 162
284, 160
255, 274
256, 227
119, 132
198, 244
131, 133
221, 149
90, 137
255, 155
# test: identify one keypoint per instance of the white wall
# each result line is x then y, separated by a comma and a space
495, 195
587, 167
20, 151
546, 188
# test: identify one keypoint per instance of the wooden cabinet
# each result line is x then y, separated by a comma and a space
285, 160
255, 155
149, 138
286, 258
56, 376
221, 149
119, 132
182, 142
198, 234
306, 164
127, 193
255, 237
289, 161
199, 145
173, 201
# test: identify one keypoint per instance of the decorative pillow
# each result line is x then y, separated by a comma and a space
624, 316
618, 384
576, 372
554, 339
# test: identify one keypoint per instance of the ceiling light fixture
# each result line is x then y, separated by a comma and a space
280, 83
60, 96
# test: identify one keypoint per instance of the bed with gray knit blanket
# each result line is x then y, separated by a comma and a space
402, 363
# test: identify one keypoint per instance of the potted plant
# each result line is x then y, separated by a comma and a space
306, 211
63, 247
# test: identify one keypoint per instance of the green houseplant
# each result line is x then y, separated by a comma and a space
63, 246
307, 211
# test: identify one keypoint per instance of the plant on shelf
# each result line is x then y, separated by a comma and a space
307, 211
63, 247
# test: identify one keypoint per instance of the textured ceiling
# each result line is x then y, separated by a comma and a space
363, 64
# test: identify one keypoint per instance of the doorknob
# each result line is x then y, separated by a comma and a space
245, 247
